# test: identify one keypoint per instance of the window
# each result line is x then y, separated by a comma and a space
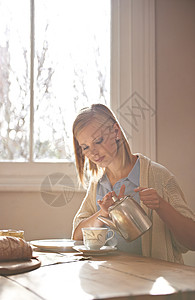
47, 97
48, 78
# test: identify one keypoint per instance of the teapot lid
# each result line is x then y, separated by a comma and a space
116, 202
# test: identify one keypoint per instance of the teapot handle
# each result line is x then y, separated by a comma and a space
108, 222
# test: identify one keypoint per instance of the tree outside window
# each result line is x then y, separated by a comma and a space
71, 66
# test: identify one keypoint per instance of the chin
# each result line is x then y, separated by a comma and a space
102, 164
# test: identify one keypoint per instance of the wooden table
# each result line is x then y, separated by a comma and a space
114, 276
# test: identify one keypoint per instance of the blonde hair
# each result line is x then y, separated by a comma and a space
103, 115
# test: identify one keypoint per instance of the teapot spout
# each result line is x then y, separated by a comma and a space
108, 222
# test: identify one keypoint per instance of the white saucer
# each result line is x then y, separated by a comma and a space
101, 251
56, 244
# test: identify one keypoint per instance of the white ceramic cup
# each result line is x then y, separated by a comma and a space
95, 237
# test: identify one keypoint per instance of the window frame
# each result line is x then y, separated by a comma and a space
132, 24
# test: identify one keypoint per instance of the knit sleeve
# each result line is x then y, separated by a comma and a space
176, 198
87, 208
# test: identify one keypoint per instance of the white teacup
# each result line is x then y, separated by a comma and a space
95, 237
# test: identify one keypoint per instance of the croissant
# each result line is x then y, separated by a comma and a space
13, 248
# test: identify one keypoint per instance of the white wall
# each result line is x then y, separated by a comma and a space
175, 80
28, 211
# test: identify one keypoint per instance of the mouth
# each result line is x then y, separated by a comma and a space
99, 159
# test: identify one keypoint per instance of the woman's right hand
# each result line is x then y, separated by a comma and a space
93, 221
105, 203
107, 200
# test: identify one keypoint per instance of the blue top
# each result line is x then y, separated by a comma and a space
131, 182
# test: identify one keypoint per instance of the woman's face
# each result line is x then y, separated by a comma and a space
98, 142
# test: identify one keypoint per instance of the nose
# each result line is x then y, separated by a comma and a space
94, 151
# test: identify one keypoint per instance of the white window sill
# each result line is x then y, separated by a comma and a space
30, 184
38, 177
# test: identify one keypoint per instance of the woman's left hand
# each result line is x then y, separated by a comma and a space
149, 197
182, 227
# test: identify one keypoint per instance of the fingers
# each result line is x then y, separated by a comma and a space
149, 197
107, 196
122, 191
139, 188
106, 202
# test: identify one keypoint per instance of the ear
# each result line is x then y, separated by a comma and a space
117, 131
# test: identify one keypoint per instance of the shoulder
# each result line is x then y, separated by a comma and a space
154, 168
92, 187
158, 168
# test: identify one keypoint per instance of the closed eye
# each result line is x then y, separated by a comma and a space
99, 141
85, 148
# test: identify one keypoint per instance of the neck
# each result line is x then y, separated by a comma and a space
116, 172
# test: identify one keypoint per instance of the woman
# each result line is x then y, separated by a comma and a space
99, 138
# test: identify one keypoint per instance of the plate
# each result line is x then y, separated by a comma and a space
18, 266
56, 244
101, 251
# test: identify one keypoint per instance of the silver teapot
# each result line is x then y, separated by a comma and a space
127, 218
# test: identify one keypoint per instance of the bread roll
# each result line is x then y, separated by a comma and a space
12, 248
12, 232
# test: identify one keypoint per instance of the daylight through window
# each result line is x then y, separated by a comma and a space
71, 69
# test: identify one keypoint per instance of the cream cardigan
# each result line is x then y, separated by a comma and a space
158, 242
